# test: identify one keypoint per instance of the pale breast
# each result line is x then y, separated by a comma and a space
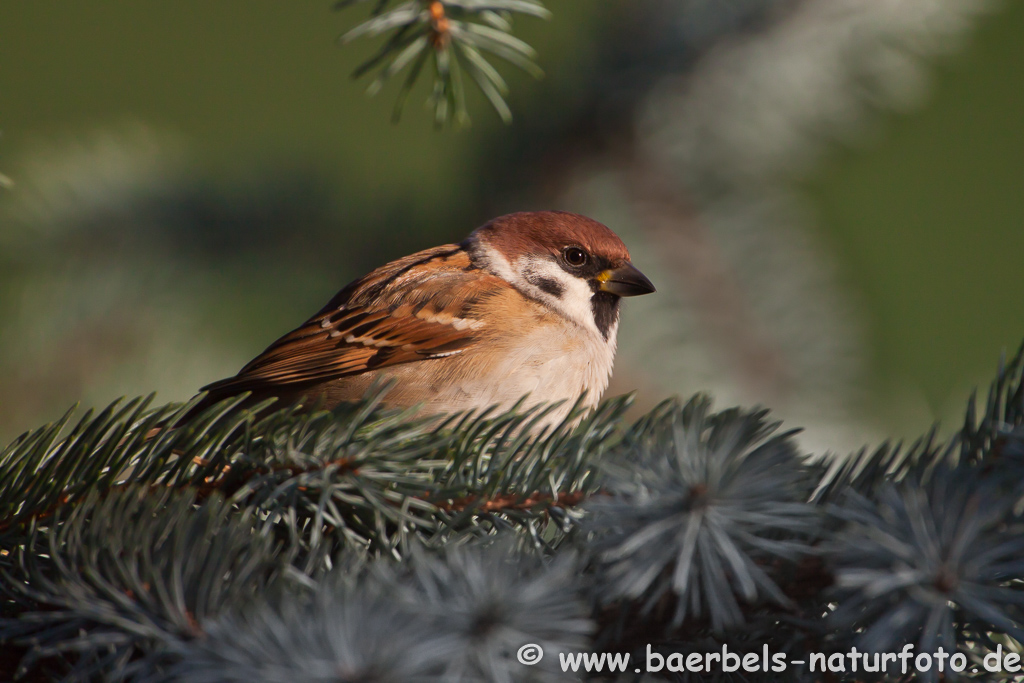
526, 353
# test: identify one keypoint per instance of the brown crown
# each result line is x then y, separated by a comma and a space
530, 232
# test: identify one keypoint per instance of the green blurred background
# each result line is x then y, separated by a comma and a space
192, 179
928, 221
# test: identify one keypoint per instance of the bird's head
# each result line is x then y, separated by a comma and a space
570, 263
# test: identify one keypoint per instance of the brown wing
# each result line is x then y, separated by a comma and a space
417, 308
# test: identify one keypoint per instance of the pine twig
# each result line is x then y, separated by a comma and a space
452, 36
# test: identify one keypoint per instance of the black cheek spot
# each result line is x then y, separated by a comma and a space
545, 284
606, 311
552, 287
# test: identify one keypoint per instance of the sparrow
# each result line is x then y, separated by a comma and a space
526, 306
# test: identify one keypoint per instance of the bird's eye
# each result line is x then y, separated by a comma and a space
574, 256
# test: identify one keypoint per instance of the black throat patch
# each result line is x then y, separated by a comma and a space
606, 311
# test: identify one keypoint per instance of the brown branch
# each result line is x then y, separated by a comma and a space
222, 482
439, 27
512, 501
47, 512
212, 484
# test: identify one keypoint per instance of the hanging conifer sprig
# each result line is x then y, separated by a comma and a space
452, 36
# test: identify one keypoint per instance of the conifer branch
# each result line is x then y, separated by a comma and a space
238, 545
451, 35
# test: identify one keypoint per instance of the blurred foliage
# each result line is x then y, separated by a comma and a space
255, 85
192, 180
928, 221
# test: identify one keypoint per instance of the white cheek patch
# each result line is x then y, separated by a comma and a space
545, 280
541, 278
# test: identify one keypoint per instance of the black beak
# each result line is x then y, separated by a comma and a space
624, 280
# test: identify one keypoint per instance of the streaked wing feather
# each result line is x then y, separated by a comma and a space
413, 309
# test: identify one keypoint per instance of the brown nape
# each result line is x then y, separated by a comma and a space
521, 233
